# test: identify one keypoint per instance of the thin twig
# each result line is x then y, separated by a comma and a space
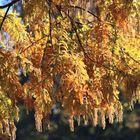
131, 57
4, 17
81, 8
33, 44
80, 43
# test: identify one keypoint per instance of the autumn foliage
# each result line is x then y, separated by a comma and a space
82, 54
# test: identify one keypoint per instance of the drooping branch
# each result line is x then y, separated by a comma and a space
50, 32
85, 53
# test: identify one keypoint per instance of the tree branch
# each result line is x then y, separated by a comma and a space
81, 8
85, 53
9, 4
4, 17
33, 43
50, 21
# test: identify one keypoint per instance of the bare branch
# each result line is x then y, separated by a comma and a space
9, 4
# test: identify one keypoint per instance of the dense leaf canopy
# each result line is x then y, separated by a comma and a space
83, 54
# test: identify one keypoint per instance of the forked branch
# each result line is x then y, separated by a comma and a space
9, 4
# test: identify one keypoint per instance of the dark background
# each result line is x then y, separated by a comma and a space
129, 129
